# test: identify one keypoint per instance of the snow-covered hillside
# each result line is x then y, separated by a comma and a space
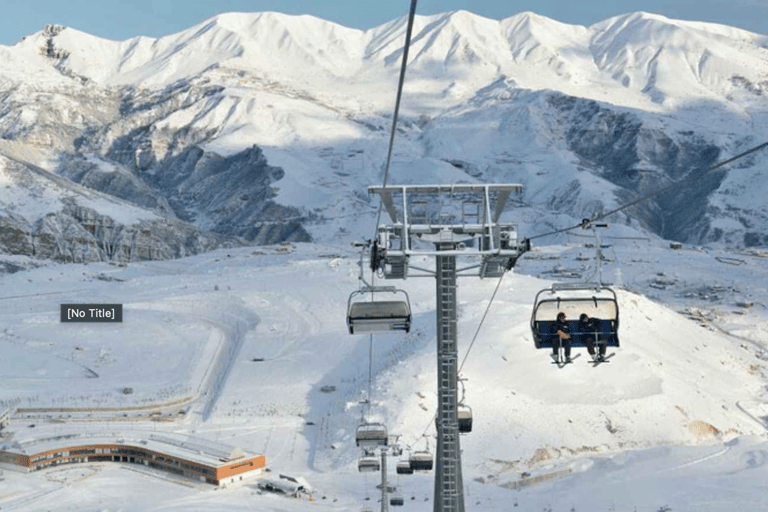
252, 347
269, 127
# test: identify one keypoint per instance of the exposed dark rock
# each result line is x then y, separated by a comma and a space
616, 146
15, 234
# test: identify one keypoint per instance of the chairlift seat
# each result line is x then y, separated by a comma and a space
464, 414
368, 464
371, 435
603, 308
396, 500
404, 468
421, 461
377, 316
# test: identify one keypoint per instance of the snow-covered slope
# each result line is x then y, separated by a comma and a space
253, 347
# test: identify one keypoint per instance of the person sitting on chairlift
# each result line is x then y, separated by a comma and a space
590, 327
562, 330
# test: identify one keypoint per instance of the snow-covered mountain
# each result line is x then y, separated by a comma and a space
268, 127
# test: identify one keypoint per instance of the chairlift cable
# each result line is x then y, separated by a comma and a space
401, 80
658, 191
477, 331
403, 65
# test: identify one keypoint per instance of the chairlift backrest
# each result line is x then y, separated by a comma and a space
378, 315
404, 467
371, 435
573, 300
421, 461
598, 302
464, 414
603, 308
368, 464
396, 500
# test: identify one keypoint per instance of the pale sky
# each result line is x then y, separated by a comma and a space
123, 19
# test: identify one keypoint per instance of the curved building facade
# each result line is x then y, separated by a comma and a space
195, 459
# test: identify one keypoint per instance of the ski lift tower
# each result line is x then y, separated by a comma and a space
448, 222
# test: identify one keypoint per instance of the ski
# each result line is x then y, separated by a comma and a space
569, 361
605, 359
560, 364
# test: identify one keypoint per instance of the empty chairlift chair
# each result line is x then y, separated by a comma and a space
396, 500
464, 413
421, 461
368, 463
371, 435
378, 315
404, 467
597, 301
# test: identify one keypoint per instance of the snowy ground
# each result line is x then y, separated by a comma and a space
243, 341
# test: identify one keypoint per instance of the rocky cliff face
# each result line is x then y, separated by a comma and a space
168, 171
620, 148
81, 235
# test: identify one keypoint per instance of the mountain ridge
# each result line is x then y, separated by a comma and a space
304, 105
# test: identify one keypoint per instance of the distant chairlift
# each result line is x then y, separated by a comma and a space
371, 435
378, 315
464, 413
368, 463
421, 460
404, 467
396, 500
464, 416
597, 301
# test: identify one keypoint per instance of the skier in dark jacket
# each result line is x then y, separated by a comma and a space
590, 327
563, 333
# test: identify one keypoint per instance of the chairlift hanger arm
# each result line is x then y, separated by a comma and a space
389, 204
501, 201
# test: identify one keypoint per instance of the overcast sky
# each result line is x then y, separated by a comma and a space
123, 19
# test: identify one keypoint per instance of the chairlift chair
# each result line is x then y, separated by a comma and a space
404, 467
378, 315
421, 460
371, 435
396, 500
368, 463
597, 301
464, 413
